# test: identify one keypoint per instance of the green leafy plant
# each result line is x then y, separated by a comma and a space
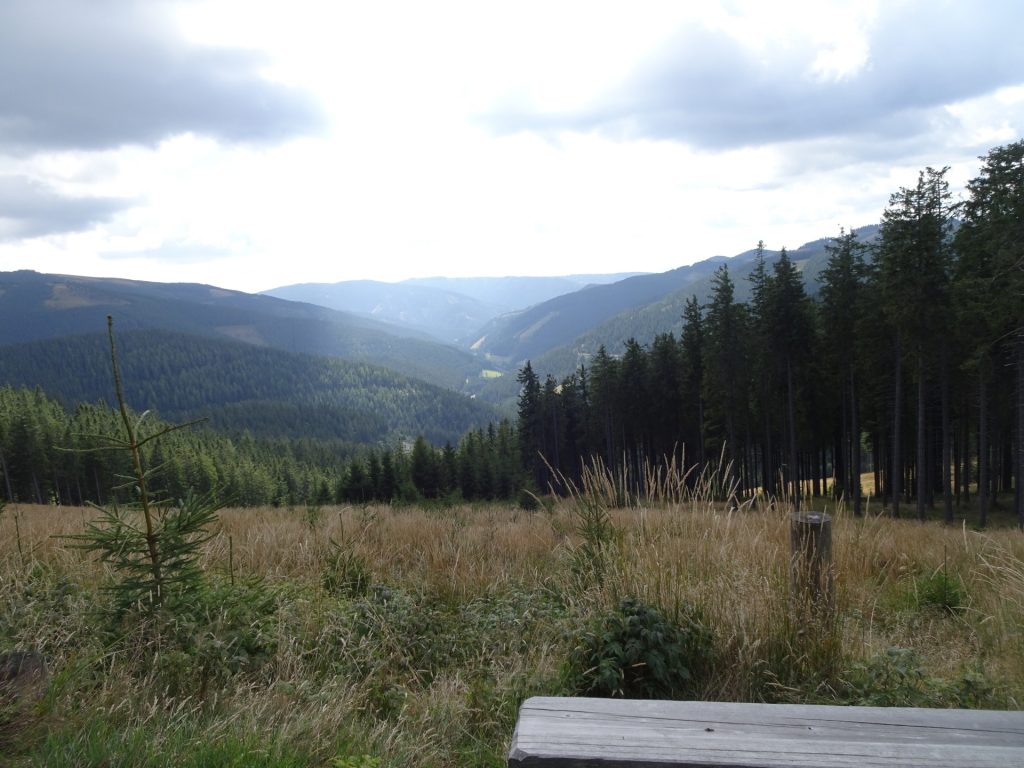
636, 652
153, 544
941, 590
897, 678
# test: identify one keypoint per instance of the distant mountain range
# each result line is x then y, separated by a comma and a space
464, 335
37, 306
451, 309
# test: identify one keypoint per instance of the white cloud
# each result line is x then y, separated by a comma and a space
466, 138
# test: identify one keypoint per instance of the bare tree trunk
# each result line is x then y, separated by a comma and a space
7, 477
1018, 493
982, 450
957, 471
792, 434
854, 446
947, 495
922, 453
897, 448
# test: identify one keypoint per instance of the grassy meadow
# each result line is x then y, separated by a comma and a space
405, 636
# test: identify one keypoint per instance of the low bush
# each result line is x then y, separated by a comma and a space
897, 678
942, 591
635, 652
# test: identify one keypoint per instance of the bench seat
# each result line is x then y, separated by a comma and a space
581, 732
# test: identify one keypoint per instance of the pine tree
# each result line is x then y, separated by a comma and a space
991, 245
842, 308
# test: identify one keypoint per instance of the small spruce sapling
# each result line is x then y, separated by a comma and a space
153, 544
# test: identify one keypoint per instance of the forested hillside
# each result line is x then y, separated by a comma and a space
513, 338
909, 361
644, 322
36, 306
242, 387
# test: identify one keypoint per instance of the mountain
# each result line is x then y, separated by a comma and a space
514, 338
450, 309
238, 386
641, 321
513, 293
37, 306
445, 315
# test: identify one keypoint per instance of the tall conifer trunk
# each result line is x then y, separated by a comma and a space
922, 443
947, 495
792, 433
897, 448
855, 446
982, 450
1018, 493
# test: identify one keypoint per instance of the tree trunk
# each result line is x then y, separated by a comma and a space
897, 448
947, 495
1018, 493
922, 444
792, 433
700, 432
7, 477
982, 451
854, 446
957, 472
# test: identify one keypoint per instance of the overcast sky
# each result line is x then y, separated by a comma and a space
252, 144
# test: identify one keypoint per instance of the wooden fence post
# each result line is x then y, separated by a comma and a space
810, 560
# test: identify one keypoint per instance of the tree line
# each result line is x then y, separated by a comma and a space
49, 454
909, 363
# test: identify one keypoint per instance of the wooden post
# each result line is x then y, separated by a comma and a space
810, 560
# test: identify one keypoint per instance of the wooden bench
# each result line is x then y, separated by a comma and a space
582, 732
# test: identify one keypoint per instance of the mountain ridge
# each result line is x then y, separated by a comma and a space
35, 306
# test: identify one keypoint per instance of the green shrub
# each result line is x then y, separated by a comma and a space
229, 631
635, 652
897, 679
942, 591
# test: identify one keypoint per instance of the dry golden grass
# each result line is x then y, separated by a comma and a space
731, 560
733, 564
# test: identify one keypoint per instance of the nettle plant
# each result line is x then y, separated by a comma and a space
152, 542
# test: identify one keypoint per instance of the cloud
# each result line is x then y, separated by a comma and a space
29, 208
106, 73
175, 252
713, 90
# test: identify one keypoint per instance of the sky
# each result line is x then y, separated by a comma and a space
251, 144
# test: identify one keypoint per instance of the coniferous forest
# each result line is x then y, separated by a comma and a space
908, 364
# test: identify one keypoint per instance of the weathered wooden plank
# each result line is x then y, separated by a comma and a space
584, 732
